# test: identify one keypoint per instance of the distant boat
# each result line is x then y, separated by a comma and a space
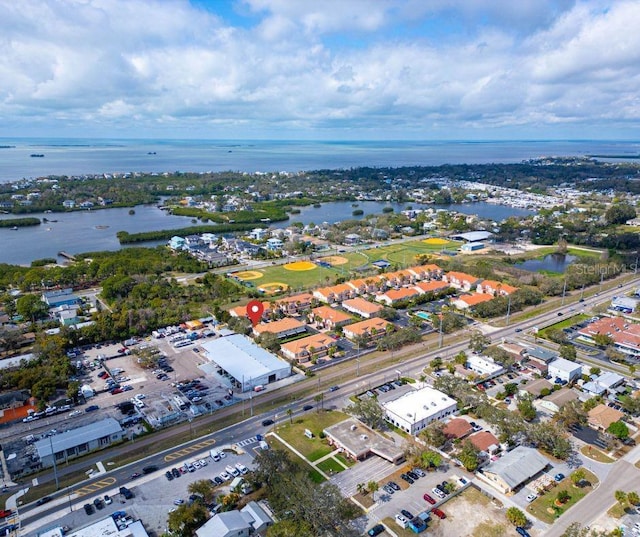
14, 228
151, 153
37, 155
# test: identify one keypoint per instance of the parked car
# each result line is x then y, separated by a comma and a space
178, 501
92, 408
531, 497
88, 508
406, 478
394, 485
428, 498
558, 477
406, 514
438, 513
126, 493
175, 472
168, 475
376, 530
522, 532
419, 472
107, 499
98, 503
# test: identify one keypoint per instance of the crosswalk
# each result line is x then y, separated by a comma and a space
248, 441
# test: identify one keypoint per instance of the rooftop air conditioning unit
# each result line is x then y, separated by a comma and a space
363, 437
353, 427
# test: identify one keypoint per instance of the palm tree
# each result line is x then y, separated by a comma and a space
290, 414
620, 496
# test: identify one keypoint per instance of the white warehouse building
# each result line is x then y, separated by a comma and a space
484, 366
247, 364
414, 410
565, 369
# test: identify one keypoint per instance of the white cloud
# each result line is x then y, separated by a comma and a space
320, 65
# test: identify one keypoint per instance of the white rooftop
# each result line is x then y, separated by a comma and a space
419, 404
565, 365
241, 357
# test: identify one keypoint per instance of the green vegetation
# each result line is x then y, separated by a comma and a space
330, 466
312, 448
19, 222
125, 237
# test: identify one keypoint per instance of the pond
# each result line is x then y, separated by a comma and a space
549, 263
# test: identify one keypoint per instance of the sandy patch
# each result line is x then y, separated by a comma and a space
249, 275
335, 260
436, 240
300, 266
273, 287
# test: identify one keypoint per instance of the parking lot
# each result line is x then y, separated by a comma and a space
154, 496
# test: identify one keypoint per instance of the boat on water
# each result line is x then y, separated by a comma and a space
14, 228
36, 155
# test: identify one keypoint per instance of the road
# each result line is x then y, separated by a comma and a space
617, 479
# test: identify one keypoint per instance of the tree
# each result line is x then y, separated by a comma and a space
186, 519
289, 528
290, 414
511, 388
568, 352
478, 342
619, 429
576, 530
602, 340
516, 517
619, 213
633, 497
460, 358
570, 415
620, 496
526, 409
436, 363
434, 434
372, 487
431, 459
468, 456
563, 496
204, 488
269, 341
31, 307
368, 411
578, 476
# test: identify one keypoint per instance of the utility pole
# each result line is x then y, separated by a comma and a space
582, 292
508, 309
564, 291
55, 466
441, 334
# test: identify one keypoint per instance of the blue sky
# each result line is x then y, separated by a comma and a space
330, 69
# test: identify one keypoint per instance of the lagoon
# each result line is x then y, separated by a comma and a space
549, 263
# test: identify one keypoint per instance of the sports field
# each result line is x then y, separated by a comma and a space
301, 275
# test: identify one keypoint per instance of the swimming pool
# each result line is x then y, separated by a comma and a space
423, 315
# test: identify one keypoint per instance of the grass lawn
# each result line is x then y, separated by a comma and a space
330, 466
316, 476
344, 460
544, 507
569, 321
596, 454
312, 448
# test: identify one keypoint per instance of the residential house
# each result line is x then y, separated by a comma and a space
294, 304
351, 239
176, 243
399, 278
485, 442
364, 286
336, 293
601, 416
556, 400
462, 281
514, 469
426, 272
494, 288
258, 234
393, 296
371, 329
434, 286
540, 358
606, 382
60, 298
241, 311
274, 245
535, 387
457, 428
307, 348
362, 307
624, 333
282, 328
252, 519
466, 302
329, 318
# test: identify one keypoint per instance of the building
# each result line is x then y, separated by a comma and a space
484, 366
624, 304
282, 328
535, 387
245, 363
63, 297
329, 318
241, 311
359, 441
307, 348
416, 409
433, 286
625, 334
362, 307
335, 293
252, 519
601, 416
540, 358
466, 302
514, 469
472, 236
77, 442
119, 524
472, 246
177, 243
606, 382
371, 329
491, 287
426, 272
457, 428
294, 304
393, 296
565, 370
486, 442
274, 245
462, 281
556, 400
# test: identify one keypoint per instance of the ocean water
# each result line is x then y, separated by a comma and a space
90, 156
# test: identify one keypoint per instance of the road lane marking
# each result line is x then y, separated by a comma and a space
95, 487
188, 450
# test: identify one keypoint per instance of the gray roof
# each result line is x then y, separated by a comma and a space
518, 465
473, 236
241, 357
259, 516
75, 437
542, 354
223, 524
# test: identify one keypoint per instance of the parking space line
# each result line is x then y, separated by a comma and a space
94, 487
188, 450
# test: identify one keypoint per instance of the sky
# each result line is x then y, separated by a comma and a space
320, 69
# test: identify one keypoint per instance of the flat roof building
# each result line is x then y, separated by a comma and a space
359, 441
246, 363
413, 411
565, 370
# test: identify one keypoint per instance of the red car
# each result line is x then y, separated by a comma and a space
5, 513
116, 390
429, 499
438, 513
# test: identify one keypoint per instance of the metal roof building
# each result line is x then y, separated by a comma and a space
473, 236
246, 363
80, 441
515, 468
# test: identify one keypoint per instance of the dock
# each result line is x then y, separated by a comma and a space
67, 255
